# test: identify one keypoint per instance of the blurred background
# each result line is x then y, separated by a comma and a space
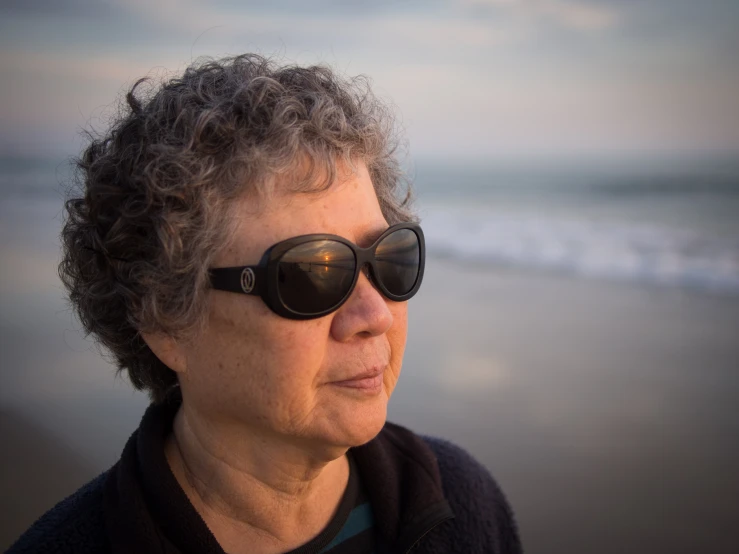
577, 170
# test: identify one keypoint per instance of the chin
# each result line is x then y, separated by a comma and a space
361, 422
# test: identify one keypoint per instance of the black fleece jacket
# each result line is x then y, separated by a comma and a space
427, 496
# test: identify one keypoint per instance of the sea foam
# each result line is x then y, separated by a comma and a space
622, 250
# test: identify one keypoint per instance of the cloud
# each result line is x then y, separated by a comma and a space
69, 8
404, 28
116, 68
469, 76
578, 15
571, 14
196, 16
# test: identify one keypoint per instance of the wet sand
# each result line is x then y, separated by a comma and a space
607, 412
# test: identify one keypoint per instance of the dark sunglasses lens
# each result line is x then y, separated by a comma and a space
398, 259
315, 276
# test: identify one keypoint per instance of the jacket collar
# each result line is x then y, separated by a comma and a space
148, 512
402, 479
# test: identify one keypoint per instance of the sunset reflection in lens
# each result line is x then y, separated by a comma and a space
315, 276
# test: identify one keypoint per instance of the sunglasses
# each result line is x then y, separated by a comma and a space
311, 276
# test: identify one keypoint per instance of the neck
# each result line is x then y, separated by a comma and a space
255, 490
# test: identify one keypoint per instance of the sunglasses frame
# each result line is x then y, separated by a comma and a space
262, 279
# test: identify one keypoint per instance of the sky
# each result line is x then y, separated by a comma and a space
468, 79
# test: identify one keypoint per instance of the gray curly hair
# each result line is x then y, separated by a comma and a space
154, 194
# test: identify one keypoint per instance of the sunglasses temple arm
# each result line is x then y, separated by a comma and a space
246, 280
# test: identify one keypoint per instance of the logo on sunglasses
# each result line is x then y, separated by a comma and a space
247, 280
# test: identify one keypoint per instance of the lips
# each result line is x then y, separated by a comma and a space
367, 381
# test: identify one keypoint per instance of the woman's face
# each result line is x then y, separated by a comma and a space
287, 378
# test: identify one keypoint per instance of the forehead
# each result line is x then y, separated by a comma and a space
348, 208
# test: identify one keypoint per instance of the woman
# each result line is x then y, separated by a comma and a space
244, 249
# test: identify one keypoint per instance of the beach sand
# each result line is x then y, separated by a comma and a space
607, 412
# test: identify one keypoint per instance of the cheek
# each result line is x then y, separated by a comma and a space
397, 335
248, 355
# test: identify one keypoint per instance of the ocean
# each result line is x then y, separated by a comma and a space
576, 331
668, 223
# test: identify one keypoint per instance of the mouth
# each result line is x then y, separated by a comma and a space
369, 382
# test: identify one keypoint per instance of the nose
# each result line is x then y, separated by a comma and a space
365, 313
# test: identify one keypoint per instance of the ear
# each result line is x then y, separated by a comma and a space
168, 350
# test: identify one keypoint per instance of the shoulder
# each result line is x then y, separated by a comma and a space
482, 512
74, 525
463, 474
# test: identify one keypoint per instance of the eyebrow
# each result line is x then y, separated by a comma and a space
369, 237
